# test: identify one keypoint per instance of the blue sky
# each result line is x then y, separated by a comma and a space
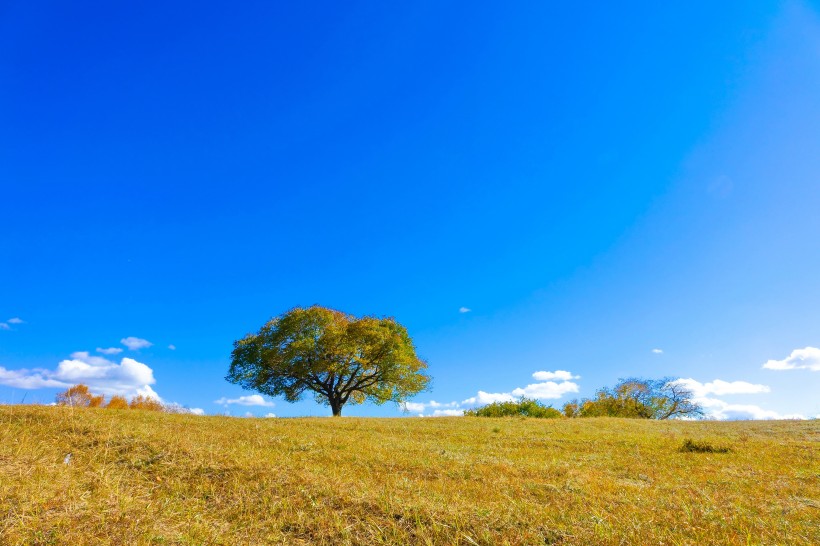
630, 190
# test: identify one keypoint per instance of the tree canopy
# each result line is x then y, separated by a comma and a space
338, 357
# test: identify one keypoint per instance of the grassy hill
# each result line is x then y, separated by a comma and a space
138, 477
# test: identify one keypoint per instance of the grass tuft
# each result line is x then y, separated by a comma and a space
692, 446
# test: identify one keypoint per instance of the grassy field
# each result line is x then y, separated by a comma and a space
138, 477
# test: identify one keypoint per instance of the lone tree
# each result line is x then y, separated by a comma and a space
339, 357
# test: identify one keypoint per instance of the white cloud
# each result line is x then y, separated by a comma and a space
28, 379
419, 407
484, 398
135, 343
270, 415
250, 400
557, 374
657, 351
715, 408
148, 392
720, 387
413, 407
546, 390
87, 358
103, 376
14, 320
723, 411
127, 377
464, 309
800, 359
109, 351
543, 390
172, 347
448, 413
197, 411
434, 404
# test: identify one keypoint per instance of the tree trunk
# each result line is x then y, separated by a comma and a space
336, 407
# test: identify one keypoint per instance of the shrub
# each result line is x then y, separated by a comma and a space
78, 396
146, 403
117, 402
526, 407
638, 398
691, 446
571, 409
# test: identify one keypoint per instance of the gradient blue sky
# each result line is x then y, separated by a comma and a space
611, 190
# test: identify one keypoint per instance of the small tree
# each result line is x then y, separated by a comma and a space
147, 403
117, 402
571, 409
673, 400
79, 396
338, 357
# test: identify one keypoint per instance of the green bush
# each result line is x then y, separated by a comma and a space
526, 407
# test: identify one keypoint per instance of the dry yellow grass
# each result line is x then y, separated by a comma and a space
149, 478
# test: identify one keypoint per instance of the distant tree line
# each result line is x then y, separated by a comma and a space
79, 396
634, 398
